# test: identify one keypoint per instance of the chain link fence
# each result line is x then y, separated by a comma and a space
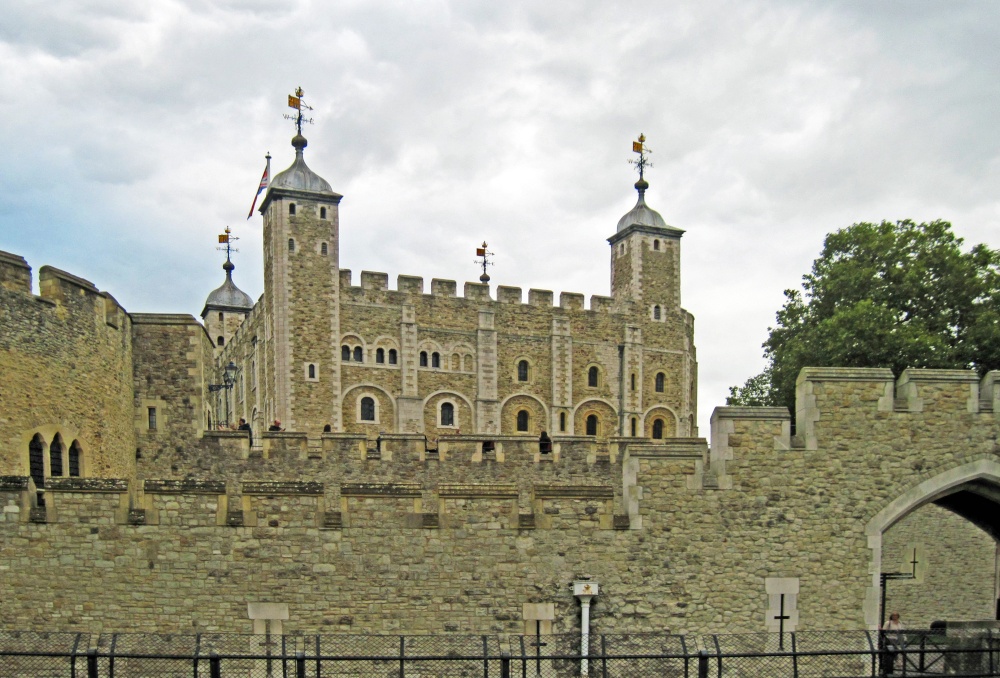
804, 654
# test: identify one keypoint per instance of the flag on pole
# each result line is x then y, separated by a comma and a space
260, 189
223, 238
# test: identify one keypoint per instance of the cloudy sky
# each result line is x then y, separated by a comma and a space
134, 132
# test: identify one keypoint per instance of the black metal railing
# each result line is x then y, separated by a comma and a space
804, 654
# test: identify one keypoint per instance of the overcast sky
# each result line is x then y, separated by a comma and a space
134, 132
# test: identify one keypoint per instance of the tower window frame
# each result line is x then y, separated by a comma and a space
446, 414
380, 356
436, 360
523, 371
291, 245
345, 353
593, 376
523, 419
392, 356
359, 354
659, 382
291, 209
592, 425
423, 359
368, 410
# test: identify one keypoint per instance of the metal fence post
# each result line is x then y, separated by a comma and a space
702, 663
505, 664
92, 662
300, 665
402, 657
214, 665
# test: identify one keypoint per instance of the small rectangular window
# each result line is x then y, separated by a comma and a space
151, 414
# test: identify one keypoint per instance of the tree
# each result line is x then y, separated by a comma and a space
893, 295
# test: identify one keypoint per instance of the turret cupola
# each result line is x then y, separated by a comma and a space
642, 214
227, 305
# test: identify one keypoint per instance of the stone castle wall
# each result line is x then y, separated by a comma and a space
374, 317
397, 538
66, 361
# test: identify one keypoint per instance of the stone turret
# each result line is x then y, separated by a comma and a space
225, 309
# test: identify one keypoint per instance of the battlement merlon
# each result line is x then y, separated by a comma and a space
732, 425
55, 284
949, 392
15, 273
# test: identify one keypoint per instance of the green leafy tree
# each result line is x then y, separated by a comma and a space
893, 295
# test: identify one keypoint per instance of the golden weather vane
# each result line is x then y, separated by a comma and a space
295, 101
642, 162
226, 241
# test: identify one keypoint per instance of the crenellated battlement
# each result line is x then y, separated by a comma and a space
411, 285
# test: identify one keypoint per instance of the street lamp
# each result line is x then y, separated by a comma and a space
228, 380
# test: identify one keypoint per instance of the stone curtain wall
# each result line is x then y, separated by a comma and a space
66, 366
959, 581
411, 542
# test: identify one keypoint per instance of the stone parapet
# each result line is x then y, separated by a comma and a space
937, 390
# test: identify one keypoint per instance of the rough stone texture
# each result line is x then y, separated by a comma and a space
66, 366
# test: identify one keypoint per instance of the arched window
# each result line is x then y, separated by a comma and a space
322, 215
592, 376
562, 421
522, 420
220, 341
367, 409
55, 456
447, 414
435, 359
380, 355
591, 424
634, 424
522, 370
291, 209
657, 429
74, 459
291, 241
312, 371
323, 249
656, 244
423, 358
392, 356
358, 355
36, 461
659, 382
656, 312
345, 353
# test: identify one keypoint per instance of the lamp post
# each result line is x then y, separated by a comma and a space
586, 590
228, 381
